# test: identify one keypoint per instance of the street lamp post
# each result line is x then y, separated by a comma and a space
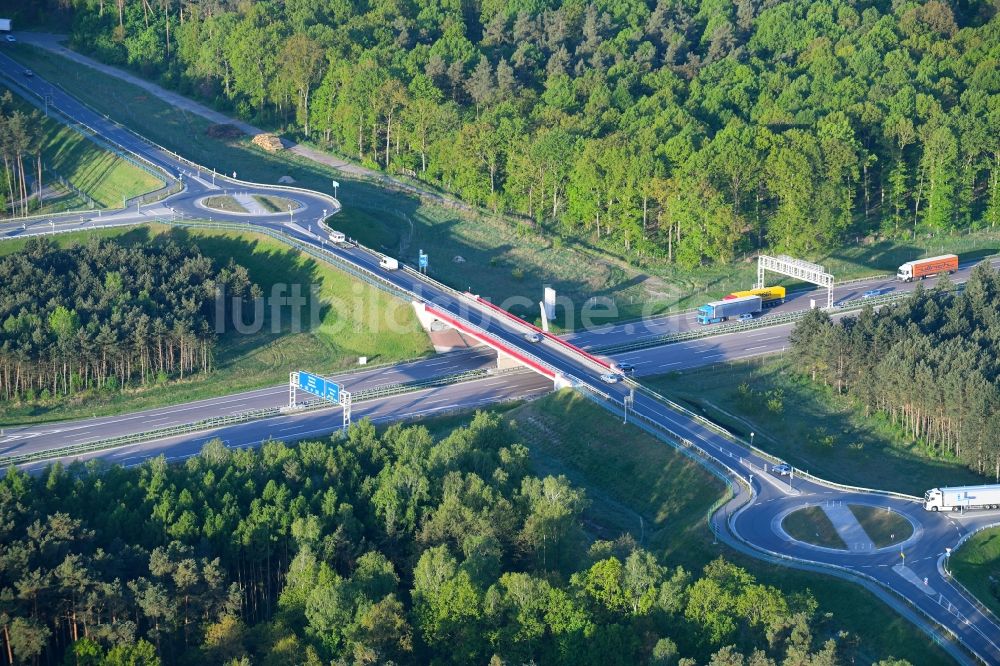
627, 402
289, 213
751, 440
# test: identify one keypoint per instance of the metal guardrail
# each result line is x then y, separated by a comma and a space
363, 395
126, 153
983, 608
725, 432
929, 625
134, 438
739, 327
85, 129
51, 216
168, 190
949, 641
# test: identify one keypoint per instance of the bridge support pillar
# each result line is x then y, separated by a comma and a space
506, 361
561, 382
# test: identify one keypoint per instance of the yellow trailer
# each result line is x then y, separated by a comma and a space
769, 296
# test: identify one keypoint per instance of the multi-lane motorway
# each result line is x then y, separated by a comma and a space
751, 521
22, 440
652, 327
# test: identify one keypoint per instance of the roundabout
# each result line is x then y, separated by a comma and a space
837, 527
245, 203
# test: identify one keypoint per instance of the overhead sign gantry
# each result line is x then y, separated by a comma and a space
796, 268
323, 388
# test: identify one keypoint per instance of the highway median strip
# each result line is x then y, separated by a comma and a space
739, 327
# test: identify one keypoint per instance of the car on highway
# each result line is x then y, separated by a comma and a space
533, 337
872, 293
782, 469
625, 368
610, 378
10, 38
28, 73
746, 316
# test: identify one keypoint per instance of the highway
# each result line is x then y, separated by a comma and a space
21, 440
653, 327
748, 521
322, 422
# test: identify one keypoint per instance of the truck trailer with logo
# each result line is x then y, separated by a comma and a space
921, 268
961, 498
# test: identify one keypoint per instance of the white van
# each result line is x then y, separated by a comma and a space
338, 237
388, 263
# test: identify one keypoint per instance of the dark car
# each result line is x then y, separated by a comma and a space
28, 72
872, 293
625, 368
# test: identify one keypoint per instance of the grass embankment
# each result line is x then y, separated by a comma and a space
275, 204
812, 525
977, 566
810, 426
224, 202
884, 528
355, 320
502, 258
98, 173
639, 485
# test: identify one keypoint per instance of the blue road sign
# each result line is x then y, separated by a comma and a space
422, 259
316, 385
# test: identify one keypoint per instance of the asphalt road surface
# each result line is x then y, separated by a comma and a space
20, 440
322, 422
618, 334
748, 521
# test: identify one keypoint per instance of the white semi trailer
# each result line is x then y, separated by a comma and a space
962, 497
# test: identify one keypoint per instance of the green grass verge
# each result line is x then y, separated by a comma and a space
884, 528
356, 320
977, 566
810, 426
98, 173
503, 258
811, 525
665, 496
224, 202
640, 486
275, 204
59, 198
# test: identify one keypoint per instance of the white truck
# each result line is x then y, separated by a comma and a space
388, 263
337, 237
962, 497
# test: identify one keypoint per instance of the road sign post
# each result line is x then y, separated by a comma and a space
320, 387
628, 402
422, 262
